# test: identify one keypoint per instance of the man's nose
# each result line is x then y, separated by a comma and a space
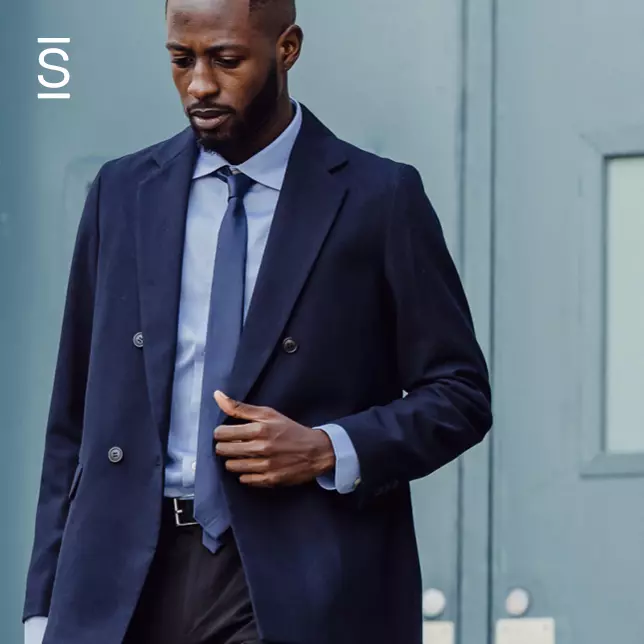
203, 82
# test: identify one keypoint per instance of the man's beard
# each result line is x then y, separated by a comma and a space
238, 134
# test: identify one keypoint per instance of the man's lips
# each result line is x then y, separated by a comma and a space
208, 119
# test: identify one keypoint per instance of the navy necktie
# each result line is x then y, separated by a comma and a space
225, 323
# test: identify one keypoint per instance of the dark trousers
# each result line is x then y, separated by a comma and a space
192, 596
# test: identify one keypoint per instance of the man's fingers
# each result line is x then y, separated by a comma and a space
276, 478
231, 433
248, 465
242, 449
237, 409
258, 480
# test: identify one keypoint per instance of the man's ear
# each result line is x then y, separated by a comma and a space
290, 46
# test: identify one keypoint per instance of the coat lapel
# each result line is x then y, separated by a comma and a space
309, 202
162, 202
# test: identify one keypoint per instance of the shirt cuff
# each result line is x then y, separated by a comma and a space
346, 476
35, 630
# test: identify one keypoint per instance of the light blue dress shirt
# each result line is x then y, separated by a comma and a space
206, 208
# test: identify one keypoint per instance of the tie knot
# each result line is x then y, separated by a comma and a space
238, 183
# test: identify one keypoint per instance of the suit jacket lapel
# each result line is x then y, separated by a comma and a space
160, 232
309, 202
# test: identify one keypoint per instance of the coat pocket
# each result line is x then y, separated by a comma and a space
75, 482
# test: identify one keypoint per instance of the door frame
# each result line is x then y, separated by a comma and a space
476, 209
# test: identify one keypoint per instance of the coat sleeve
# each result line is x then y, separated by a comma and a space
65, 421
447, 408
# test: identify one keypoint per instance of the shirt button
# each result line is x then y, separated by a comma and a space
357, 482
115, 455
138, 340
289, 345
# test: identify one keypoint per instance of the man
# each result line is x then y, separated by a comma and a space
229, 447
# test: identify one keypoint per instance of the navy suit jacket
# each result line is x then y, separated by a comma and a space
356, 271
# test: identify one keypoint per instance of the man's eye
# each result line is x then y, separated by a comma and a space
229, 63
183, 61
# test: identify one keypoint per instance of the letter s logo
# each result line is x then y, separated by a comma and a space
55, 68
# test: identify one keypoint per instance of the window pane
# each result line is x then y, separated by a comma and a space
625, 306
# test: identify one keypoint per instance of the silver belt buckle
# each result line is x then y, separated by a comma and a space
177, 515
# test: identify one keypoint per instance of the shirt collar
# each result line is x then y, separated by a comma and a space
268, 166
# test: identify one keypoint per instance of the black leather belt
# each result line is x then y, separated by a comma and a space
180, 511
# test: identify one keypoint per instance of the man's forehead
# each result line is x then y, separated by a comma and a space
188, 12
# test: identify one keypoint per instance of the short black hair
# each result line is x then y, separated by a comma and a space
280, 14
286, 6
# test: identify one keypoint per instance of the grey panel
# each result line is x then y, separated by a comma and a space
563, 70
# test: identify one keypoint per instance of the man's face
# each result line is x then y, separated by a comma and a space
225, 68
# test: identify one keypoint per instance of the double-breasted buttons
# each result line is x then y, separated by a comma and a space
138, 340
115, 455
290, 346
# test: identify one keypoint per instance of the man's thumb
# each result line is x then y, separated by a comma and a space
224, 401
233, 408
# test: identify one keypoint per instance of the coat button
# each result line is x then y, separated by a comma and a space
289, 345
138, 340
115, 455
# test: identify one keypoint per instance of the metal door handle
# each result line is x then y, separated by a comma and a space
518, 602
434, 603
